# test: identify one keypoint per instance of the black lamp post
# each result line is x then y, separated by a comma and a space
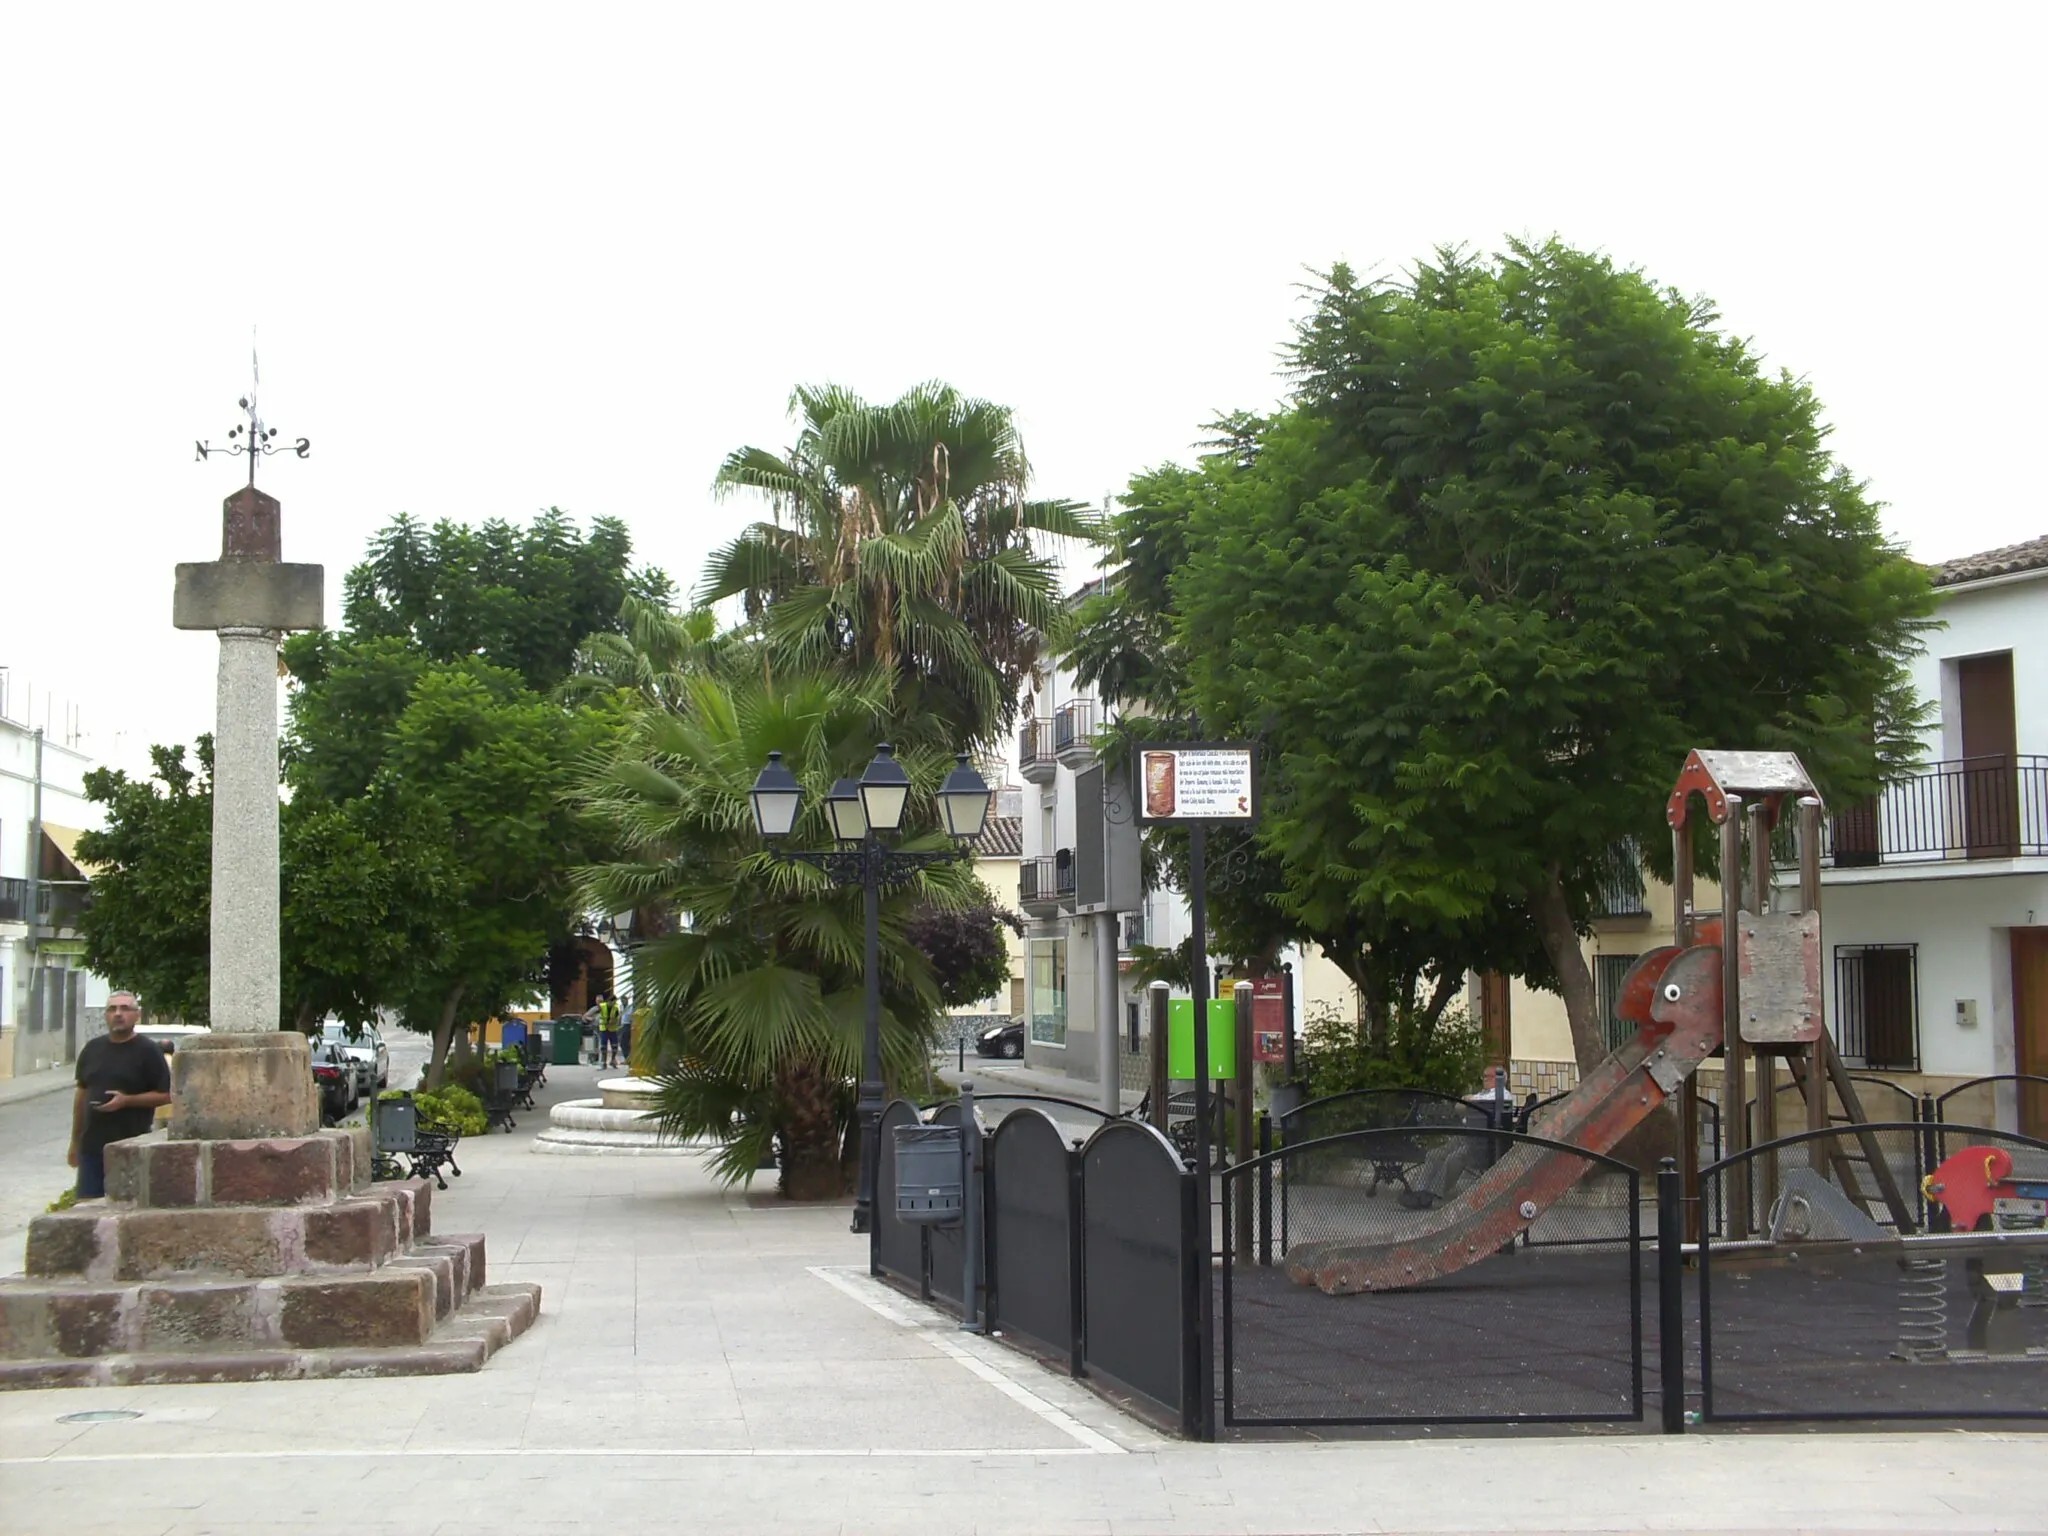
862, 815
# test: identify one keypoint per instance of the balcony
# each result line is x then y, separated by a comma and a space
1044, 885
1972, 808
1073, 733
58, 904
1035, 758
1620, 893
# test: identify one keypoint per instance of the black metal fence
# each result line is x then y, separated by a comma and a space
1896, 1270
1091, 1252
1322, 1328
1839, 1310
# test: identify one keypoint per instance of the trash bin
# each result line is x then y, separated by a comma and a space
568, 1043
929, 1188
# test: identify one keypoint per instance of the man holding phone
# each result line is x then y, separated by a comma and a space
122, 1078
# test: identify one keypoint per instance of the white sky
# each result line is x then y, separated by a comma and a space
500, 260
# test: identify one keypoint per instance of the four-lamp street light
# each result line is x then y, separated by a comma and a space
862, 815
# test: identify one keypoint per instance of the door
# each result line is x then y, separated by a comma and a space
1990, 767
1496, 1027
2030, 1024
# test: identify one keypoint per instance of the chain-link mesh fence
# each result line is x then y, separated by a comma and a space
1860, 1291
1328, 1333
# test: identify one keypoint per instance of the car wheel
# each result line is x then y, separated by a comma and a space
1012, 1049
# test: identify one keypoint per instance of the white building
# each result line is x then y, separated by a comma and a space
1934, 899
49, 1004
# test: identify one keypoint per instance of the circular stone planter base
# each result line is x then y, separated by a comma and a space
620, 1124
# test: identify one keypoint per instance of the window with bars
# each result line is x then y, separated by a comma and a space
1609, 971
1877, 1006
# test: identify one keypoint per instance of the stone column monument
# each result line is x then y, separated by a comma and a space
251, 1244
247, 1078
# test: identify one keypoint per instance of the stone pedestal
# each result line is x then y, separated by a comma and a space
248, 1260
227, 1087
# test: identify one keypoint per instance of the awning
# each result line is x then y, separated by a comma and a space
63, 841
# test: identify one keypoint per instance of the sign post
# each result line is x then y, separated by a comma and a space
1200, 784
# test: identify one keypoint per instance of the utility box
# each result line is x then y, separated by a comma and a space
930, 1187
398, 1124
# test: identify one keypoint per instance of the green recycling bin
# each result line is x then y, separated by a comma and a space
568, 1043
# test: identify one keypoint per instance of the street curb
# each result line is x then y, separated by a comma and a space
13, 1090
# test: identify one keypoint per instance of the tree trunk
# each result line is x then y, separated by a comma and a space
807, 1119
1575, 980
444, 1029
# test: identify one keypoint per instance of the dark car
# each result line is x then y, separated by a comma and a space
1004, 1040
335, 1075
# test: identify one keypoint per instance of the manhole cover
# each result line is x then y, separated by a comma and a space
100, 1416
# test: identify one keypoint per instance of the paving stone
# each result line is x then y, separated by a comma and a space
207, 1240
390, 1306
179, 1318
63, 1243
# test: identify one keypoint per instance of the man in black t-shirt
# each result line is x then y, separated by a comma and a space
122, 1078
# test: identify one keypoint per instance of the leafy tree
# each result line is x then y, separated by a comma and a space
149, 924
360, 895
479, 768
902, 538
520, 597
965, 946
758, 995
1532, 529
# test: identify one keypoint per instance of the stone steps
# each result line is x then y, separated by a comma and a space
486, 1322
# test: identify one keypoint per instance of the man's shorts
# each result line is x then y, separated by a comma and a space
608, 1038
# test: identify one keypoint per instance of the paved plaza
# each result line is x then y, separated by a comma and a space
712, 1361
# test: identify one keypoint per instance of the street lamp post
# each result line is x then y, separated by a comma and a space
862, 815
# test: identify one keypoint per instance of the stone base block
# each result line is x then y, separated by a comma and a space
485, 1323
400, 1303
97, 1241
238, 1087
295, 1170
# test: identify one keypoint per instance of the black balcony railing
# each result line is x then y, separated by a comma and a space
1038, 882
1972, 808
57, 904
1620, 891
1035, 745
1073, 725
1132, 932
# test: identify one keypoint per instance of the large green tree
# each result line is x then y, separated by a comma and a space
1532, 528
758, 993
362, 893
903, 537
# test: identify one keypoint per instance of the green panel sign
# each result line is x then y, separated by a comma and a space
1180, 1038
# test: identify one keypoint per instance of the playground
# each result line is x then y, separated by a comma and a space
1413, 1259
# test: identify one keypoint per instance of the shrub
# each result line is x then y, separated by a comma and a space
1337, 1058
64, 1202
452, 1110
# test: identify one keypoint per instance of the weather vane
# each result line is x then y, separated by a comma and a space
255, 440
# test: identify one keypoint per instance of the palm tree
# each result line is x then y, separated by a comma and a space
757, 995
902, 537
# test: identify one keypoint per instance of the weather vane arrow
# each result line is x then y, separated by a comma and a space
253, 439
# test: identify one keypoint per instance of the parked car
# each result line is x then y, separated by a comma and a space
336, 1075
1004, 1040
365, 1048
